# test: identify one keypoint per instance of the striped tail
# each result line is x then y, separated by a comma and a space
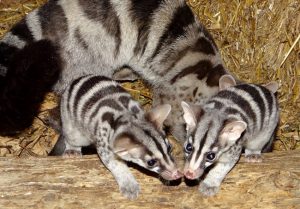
31, 73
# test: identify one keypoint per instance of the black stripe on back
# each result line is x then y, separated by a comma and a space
174, 57
182, 17
256, 98
53, 21
120, 121
142, 12
104, 13
22, 31
71, 88
217, 105
104, 103
101, 94
80, 39
269, 98
201, 69
208, 36
239, 101
109, 118
86, 87
232, 111
214, 75
204, 46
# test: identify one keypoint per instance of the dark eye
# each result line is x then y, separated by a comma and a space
210, 156
151, 162
189, 148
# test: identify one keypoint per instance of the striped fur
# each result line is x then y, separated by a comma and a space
96, 110
239, 116
159, 40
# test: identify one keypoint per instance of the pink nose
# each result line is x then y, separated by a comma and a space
177, 174
189, 174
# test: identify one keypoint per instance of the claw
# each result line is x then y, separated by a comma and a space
72, 154
253, 158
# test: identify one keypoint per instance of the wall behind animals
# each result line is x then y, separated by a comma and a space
257, 40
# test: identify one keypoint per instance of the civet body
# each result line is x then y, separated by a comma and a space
160, 41
97, 110
239, 116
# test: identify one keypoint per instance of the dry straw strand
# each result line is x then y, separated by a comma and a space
290, 50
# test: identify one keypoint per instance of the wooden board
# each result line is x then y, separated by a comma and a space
54, 182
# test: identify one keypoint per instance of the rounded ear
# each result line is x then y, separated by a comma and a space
226, 81
159, 114
125, 74
125, 147
231, 132
272, 86
191, 113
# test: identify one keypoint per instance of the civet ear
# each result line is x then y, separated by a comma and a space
159, 114
226, 81
126, 148
191, 114
231, 132
272, 86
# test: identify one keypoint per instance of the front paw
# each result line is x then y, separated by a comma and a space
130, 189
72, 154
253, 158
207, 190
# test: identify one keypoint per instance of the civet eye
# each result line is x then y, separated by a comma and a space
210, 156
189, 148
151, 162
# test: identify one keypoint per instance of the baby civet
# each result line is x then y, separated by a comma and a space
96, 110
239, 116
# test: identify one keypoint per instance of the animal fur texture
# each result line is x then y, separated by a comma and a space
239, 117
160, 41
96, 110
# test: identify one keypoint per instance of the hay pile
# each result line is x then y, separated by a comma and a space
259, 42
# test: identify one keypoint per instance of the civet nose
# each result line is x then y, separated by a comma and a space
177, 174
189, 174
